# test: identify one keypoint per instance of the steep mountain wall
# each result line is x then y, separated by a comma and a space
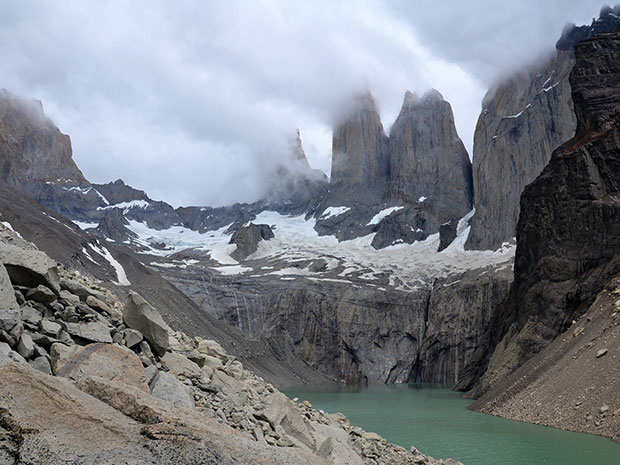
428, 160
523, 120
362, 334
568, 237
360, 158
32, 149
422, 168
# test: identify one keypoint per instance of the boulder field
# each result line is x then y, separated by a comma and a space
88, 379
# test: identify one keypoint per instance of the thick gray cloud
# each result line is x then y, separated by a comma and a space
193, 101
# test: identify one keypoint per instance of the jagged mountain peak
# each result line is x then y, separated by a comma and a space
297, 150
608, 21
365, 101
431, 96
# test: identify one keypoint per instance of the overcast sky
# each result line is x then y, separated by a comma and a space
193, 101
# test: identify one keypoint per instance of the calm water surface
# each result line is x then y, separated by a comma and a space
437, 422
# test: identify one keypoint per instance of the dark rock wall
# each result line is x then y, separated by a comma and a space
568, 238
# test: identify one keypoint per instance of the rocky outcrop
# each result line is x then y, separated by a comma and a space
32, 149
428, 159
360, 157
247, 239
575, 201
523, 120
63, 241
447, 234
29, 267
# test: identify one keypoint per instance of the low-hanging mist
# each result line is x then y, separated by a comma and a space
197, 103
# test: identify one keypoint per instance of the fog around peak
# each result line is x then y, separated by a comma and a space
196, 102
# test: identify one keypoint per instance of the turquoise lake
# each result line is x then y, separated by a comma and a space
438, 423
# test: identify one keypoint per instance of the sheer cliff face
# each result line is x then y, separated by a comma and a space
428, 159
568, 239
522, 122
360, 160
32, 149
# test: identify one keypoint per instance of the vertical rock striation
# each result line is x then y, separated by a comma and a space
360, 159
422, 168
568, 238
523, 120
428, 159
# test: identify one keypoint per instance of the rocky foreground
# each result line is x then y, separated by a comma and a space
86, 379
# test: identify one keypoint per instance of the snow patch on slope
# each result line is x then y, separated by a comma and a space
121, 276
407, 266
331, 212
83, 225
7, 225
383, 214
127, 205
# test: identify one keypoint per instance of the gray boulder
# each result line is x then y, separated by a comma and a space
80, 290
99, 305
41, 364
166, 387
42, 294
280, 411
9, 356
94, 331
138, 314
7, 295
11, 326
180, 365
25, 347
132, 337
108, 361
50, 328
29, 267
